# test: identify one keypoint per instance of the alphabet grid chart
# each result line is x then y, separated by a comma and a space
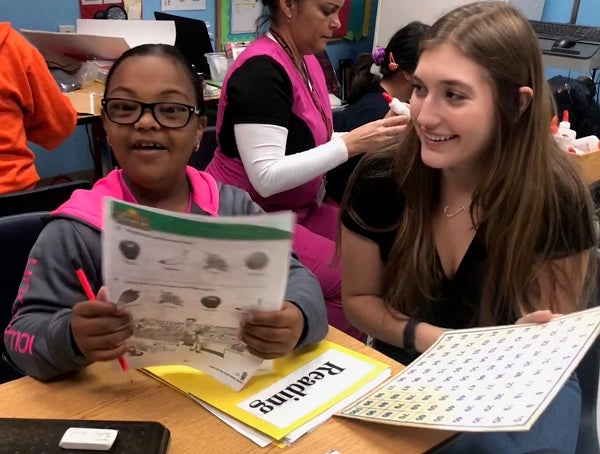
484, 379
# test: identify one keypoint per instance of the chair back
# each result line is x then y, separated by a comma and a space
202, 157
18, 233
43, 198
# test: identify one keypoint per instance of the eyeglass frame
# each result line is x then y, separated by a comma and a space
151, 105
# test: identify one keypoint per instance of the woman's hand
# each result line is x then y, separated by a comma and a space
537, 317
272, 334
377, 135
100, 328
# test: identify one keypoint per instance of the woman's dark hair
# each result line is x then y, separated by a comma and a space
266, 17
163, 50
404, 45
362, 81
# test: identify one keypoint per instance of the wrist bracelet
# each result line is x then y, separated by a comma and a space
408, 338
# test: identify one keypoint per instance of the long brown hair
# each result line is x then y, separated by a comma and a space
519, 195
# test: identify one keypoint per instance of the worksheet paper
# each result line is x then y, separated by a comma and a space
484, 379
187, 280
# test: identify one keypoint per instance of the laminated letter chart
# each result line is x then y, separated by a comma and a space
484, 379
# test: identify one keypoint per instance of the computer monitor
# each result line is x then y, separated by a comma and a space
191, 38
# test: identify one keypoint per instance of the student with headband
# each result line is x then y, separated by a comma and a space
386, 70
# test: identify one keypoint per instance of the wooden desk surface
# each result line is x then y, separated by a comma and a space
103, 392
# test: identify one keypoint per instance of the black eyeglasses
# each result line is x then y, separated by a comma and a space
167, 114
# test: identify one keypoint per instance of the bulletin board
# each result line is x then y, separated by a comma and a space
236, 20
88, 8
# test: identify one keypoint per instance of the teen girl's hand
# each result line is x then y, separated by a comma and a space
272, 334
377, 135
543, 316
100, 328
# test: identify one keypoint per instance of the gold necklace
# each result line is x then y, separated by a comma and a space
449, 214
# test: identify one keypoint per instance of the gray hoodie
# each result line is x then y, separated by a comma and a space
38, 339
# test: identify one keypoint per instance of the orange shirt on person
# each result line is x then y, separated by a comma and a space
32, 108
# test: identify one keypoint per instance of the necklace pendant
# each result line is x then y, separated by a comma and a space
450, 214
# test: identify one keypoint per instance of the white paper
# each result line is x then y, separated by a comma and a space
134, 32
77, 45
263, 440
252, 434
484, 379
188, 291
308, 396
173, 5
294, 435
244, 14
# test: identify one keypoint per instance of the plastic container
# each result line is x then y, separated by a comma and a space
218, 65
587, 144
565, 136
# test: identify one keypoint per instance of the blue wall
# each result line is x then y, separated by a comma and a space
74, 153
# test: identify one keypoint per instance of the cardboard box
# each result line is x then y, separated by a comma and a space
103, 39
87, 100
589, 164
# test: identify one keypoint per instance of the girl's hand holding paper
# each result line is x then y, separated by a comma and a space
272, 334
100, 328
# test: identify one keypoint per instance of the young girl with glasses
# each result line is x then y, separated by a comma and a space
153, 117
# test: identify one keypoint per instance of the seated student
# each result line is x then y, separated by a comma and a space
275, 133
153, 117
32, 108
396, 63
478, 218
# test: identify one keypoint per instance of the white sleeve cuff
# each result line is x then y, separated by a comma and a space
262, 151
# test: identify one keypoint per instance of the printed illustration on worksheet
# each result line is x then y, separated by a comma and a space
188, 280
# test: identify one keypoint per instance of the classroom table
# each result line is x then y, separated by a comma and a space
102, 392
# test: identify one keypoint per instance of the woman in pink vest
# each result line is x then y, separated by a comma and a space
276, 138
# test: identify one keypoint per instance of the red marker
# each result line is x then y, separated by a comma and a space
89, 294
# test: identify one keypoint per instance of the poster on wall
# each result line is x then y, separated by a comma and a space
133, 8
96, 9
244, 14
182, 5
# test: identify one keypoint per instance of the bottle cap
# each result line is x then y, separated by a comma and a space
565, 124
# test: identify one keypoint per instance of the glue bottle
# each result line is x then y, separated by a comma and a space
397, 106
565, 136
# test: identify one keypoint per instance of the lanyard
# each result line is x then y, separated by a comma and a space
301, 67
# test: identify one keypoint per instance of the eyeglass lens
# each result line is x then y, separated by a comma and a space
126, 112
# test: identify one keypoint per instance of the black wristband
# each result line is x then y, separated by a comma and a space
408, 338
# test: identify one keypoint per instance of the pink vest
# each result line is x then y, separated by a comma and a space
231, 171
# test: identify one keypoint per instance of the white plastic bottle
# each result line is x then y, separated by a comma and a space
397, 106
565, 136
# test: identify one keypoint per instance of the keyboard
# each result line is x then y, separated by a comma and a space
553, 30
